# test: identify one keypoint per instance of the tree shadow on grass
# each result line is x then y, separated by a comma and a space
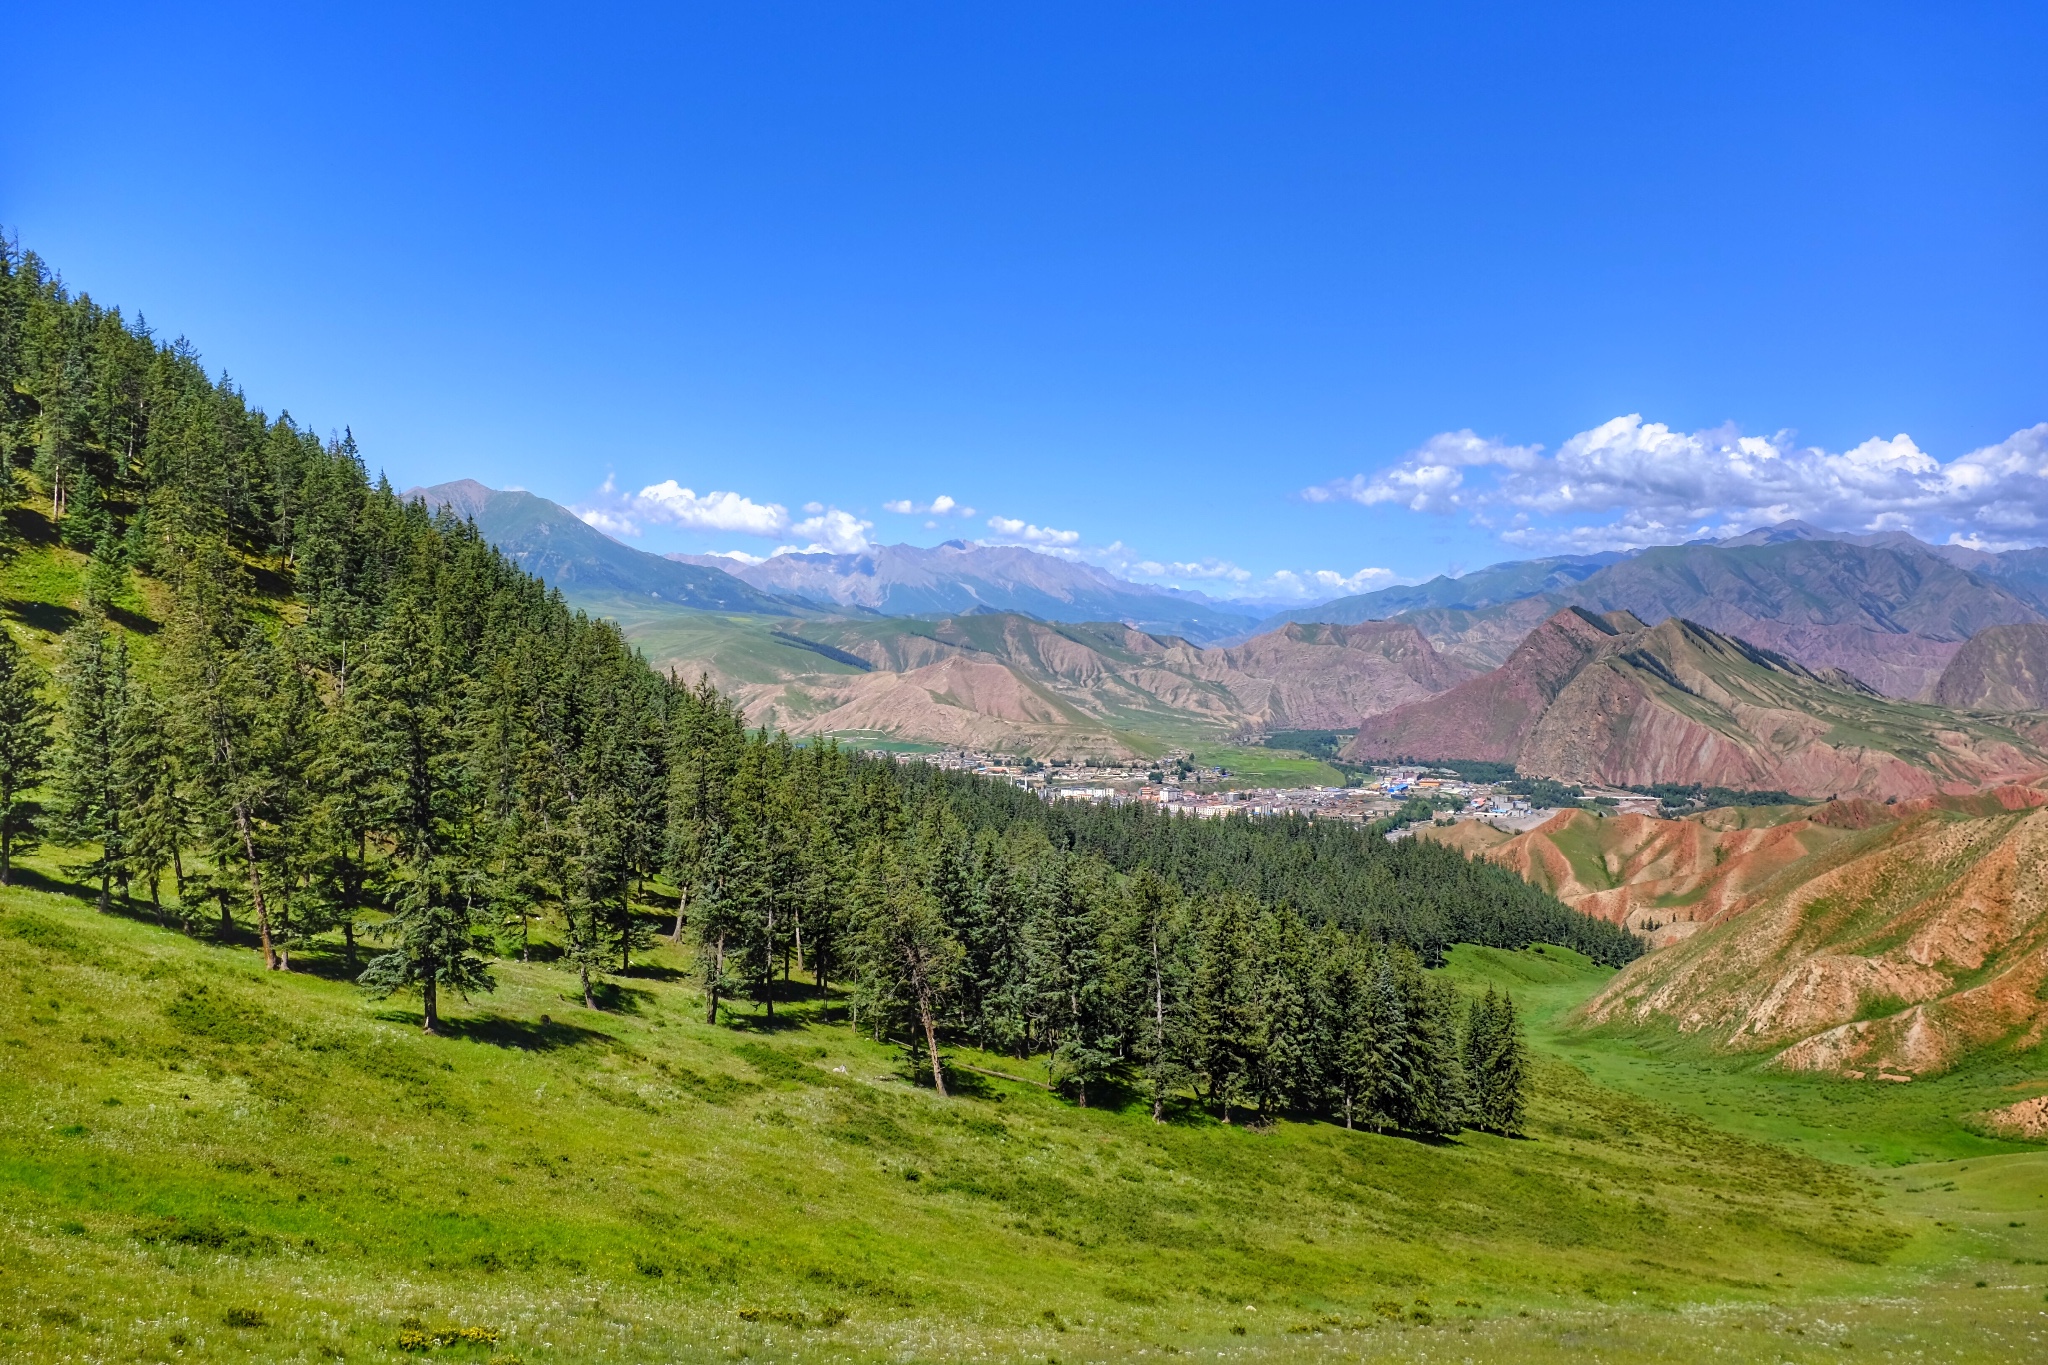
654, 971
330, 963
44, 616
543, 1035
785, 1020
613, 998
133, 622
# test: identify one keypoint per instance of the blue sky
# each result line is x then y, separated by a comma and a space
1206, 293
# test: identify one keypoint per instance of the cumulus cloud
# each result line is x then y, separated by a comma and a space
942, 506
832, 531
1628, 483
669, 503
614, 524
1018, 532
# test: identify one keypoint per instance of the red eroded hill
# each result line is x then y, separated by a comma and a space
1606, 699
1855, 937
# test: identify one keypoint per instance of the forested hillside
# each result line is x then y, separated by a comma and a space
330, 715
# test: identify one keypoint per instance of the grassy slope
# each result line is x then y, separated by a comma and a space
182, 1136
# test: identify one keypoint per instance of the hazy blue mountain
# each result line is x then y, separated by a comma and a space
1487, 587
553, 543
961, 577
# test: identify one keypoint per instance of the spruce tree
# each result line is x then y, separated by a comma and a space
1159, 936
90, 804
155, 810
1224, 1005
432, 930
1496, 1064
909, 957
24, 750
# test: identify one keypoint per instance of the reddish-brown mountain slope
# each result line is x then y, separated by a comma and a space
2003, 668
1491, 716
1015, 684
1859, 938
1606, 699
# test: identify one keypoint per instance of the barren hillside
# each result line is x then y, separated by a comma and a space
1855, 937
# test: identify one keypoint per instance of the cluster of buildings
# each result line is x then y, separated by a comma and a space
1183, 789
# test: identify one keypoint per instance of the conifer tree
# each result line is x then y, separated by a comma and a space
1496, 1063
1344, 1042
90, 804
432, 932
1158, 937
155, 811
909, 956
24, 750
1224, 1008
1063, 945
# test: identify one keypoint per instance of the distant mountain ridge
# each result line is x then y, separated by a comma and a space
961, 576
1891, 611
553, 543
1493, 585
1606, 698
1016, 684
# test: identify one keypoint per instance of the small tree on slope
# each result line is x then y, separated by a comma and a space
24, 750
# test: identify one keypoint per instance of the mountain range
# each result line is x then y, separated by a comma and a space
959, 577
1607, 698
1800, 659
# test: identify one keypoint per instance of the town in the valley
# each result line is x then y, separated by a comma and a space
1178, 785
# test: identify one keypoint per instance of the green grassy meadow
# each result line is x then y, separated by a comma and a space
202, 1160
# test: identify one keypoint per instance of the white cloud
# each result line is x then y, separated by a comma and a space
1023, 532
1213, 569
826, 529
834, 532
944, 505
671, 504
1628, 483
611, 523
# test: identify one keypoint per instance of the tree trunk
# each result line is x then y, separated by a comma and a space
768, 975
931, 1040
1158, 1036
256, 888
682, 917
430, 1014
589, 1000
178, 871
711, 985
7, 846
105, 904
155, 900
348, 938
625, 934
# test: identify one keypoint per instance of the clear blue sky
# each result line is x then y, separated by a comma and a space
1141, 273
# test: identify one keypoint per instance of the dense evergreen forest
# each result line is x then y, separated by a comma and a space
339, 717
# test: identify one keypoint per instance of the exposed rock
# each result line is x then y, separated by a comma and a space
2002, 668
2027, 1119
1834, 939
1590, 698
